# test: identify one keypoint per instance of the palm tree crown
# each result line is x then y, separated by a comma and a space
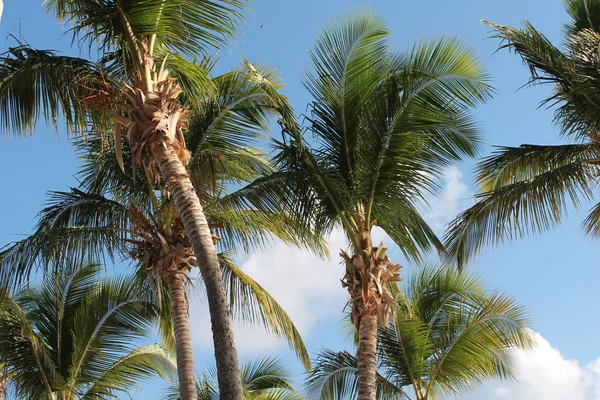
384, 125
526, 189
73, 337
448, 337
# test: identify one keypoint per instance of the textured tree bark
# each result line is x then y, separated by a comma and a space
186, 200
183, 336
368, 274
366, 356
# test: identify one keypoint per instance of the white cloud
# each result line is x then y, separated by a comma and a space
308, 288
543, 373
453, 198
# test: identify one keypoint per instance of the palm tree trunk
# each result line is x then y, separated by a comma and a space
368, 274
186, 200
366, 356
183, 336
3, 382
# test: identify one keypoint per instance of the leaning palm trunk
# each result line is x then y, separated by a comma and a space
368, 274
155, 123
183, 336
200, 237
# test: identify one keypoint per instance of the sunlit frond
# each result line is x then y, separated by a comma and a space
262, 379
334, 378
184, 26
518, 209
251, 303
75, 336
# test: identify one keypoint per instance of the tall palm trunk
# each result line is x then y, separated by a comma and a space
186, 200
368, 274
183, 336
155, 121
366, 357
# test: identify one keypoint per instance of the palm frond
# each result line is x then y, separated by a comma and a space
126, 373
23, 351
508, 165
262, 379
518, 209
450, 334
572, 73
45, 249
585, 14
334, 378
38, 84
185, 27
348, 61
251, 303
75, 334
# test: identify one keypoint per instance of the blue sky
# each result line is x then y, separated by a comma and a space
553, 275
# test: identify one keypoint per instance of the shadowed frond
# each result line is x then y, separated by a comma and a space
509, 165
38, 84
585, 14
45, 249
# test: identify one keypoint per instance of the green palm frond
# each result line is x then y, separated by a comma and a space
585, 14
533, 204
185, 27
468, 331
348, 63
571, 72
224, 125
508, 165
449, 336
251, 303
334, 378
45, 249
74, 336
23, 351
38, 84
79, 208
385, 126
262, 378
142, 363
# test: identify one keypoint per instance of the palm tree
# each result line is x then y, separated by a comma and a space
526, 189
385, 125
448, 337
73, 337
124, 216
145, 46
262, 379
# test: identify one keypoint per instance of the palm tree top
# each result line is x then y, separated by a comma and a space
75, 335
381, 127
526, 189
450, 335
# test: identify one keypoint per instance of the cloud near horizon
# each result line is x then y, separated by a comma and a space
544, 373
